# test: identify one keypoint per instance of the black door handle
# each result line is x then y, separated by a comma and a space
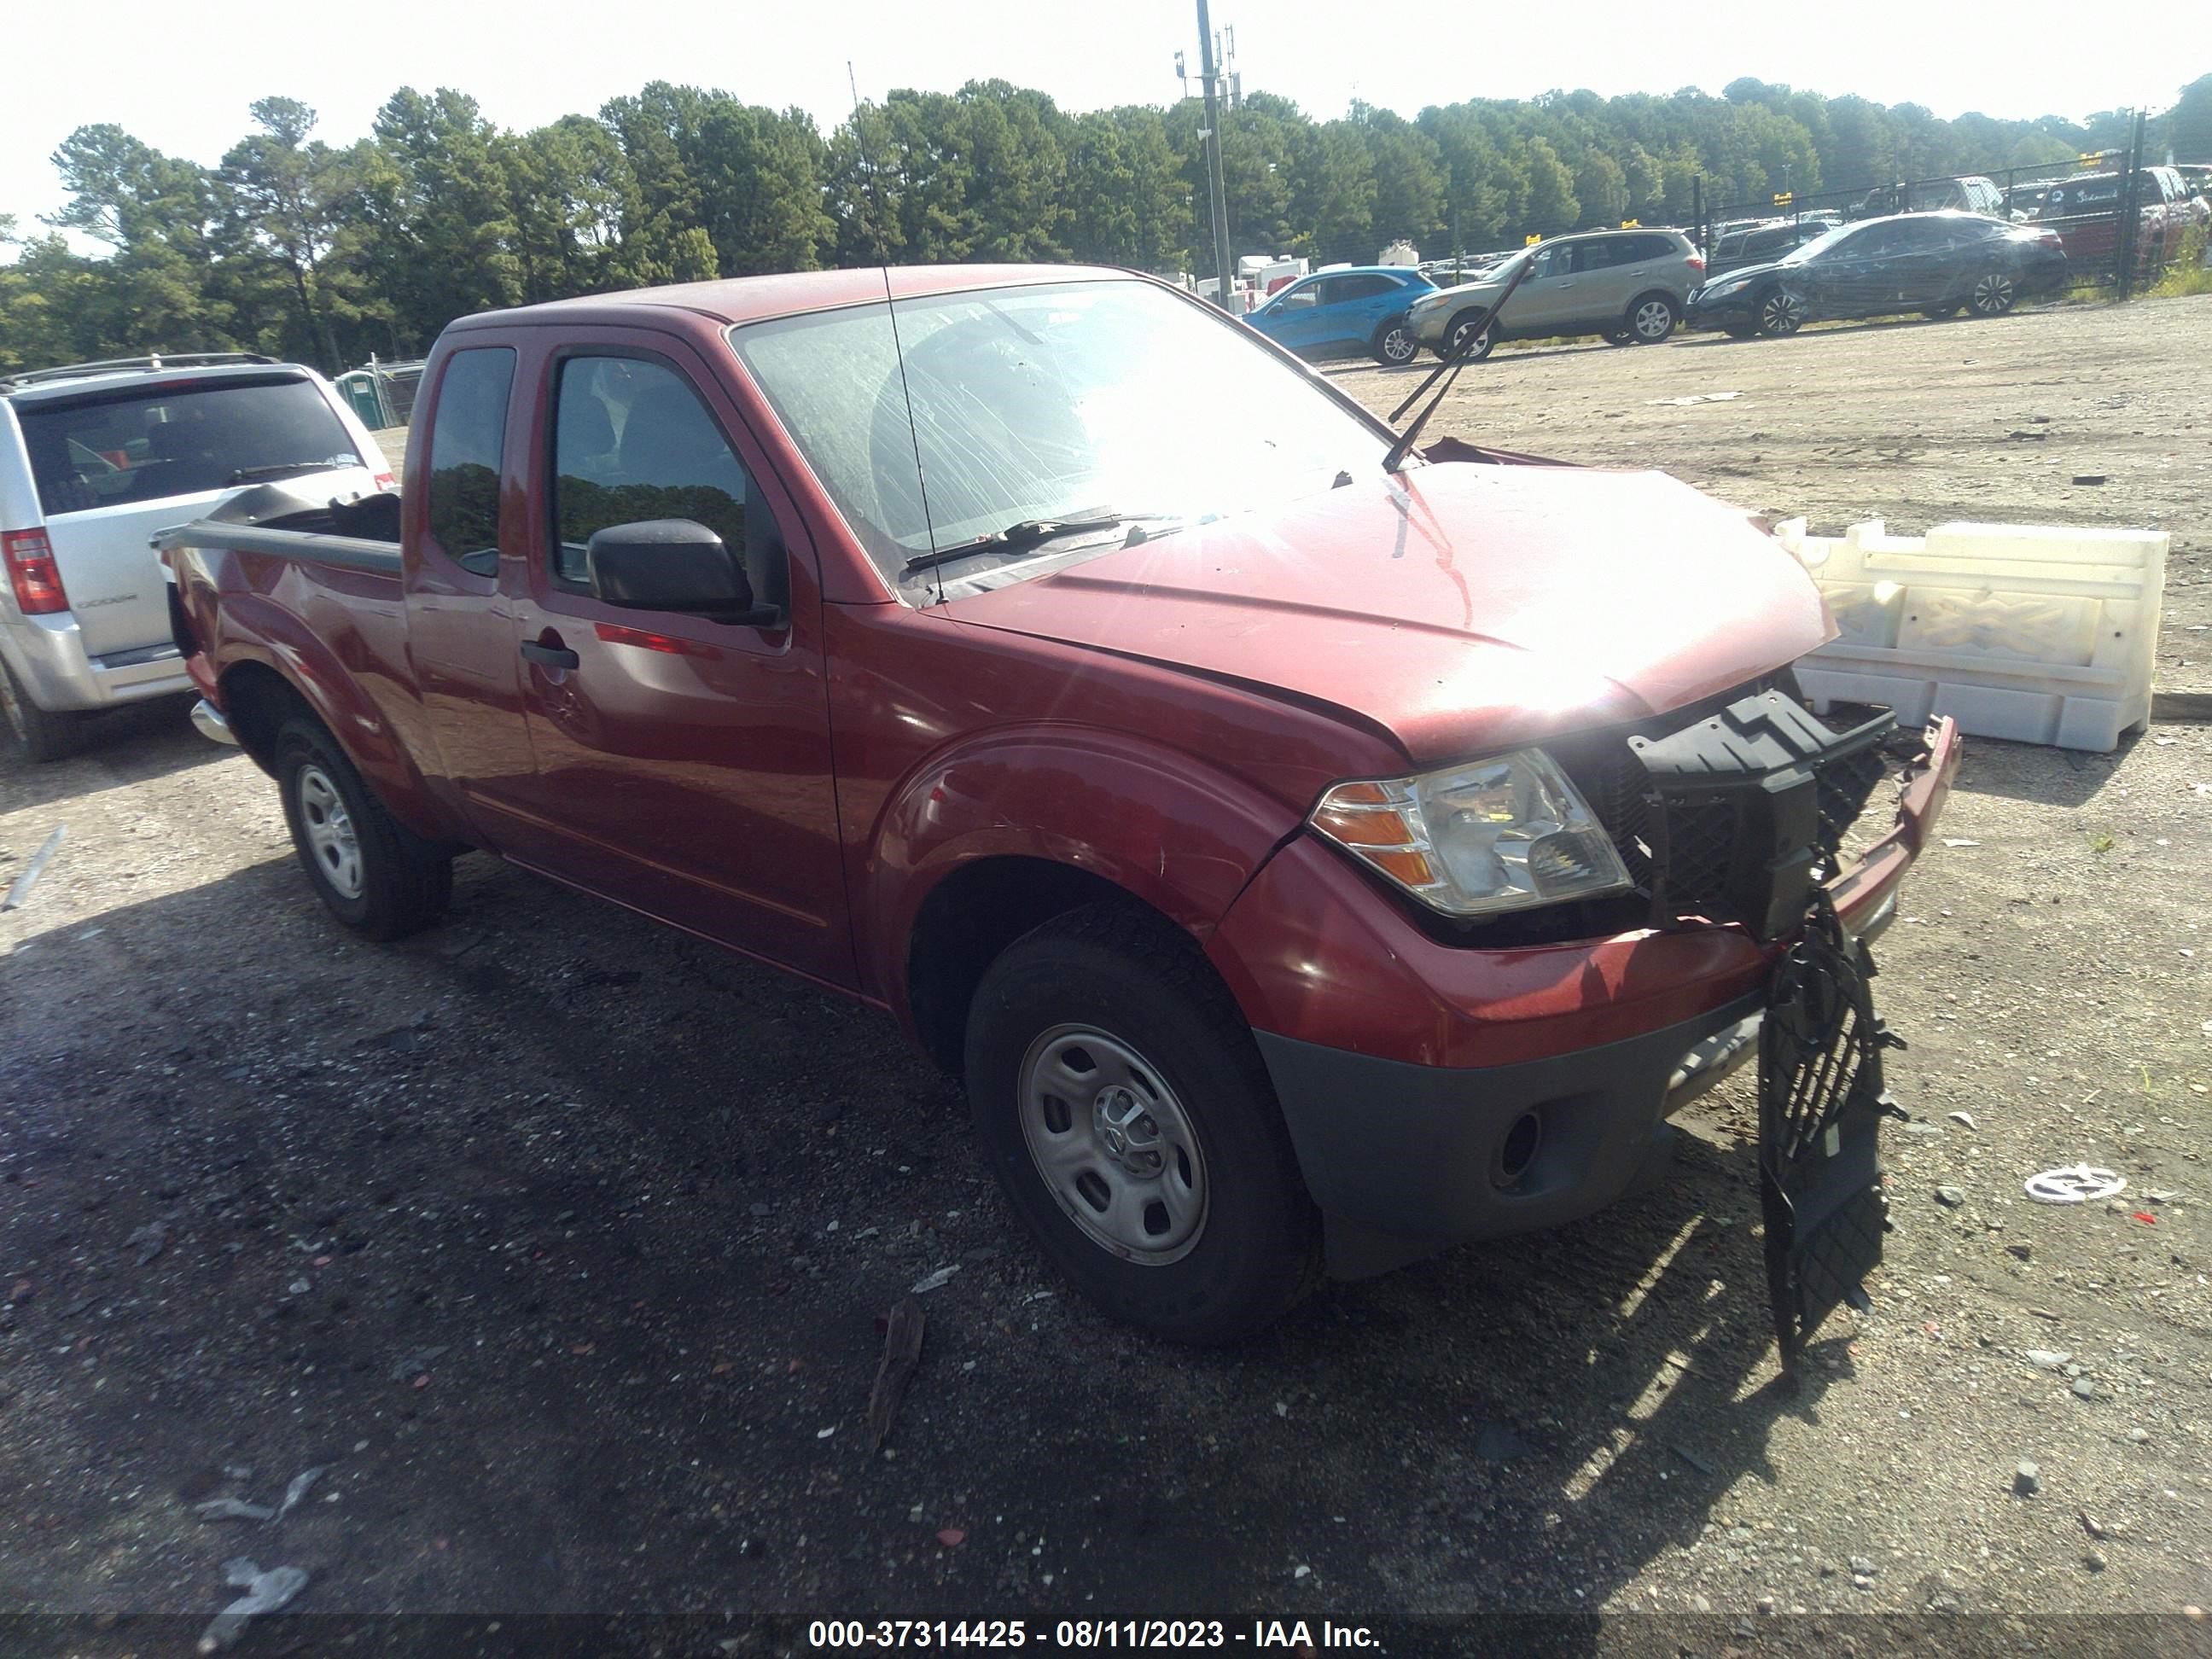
551, 656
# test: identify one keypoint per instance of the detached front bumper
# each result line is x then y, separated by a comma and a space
1594, 1044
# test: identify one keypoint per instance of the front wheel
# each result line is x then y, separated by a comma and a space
1125, 1110
1651, 319
1469, 325
1781, 314
371, 872
1993, 293
1396, 345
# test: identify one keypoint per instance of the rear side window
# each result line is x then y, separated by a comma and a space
123, 448
466, 439
1360, 287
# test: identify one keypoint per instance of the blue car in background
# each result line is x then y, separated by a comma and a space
1350, 312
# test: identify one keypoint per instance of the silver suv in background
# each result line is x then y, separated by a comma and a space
94, 459
1626, 286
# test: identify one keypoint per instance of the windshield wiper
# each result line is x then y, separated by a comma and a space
275, 468
1027, 533
1451, 365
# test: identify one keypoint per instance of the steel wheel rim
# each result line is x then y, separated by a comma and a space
329, 830
1469, 336
1398, 345
1113, 1145
1781, 311
1994, 292
1651, 319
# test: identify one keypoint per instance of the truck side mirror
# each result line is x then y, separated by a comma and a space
674, 564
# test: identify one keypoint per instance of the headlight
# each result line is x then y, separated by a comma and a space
1492, 835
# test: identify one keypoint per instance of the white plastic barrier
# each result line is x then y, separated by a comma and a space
2037, 633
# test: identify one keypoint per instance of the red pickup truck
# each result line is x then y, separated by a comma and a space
1307, 854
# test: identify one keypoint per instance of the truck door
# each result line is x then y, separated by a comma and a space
682, 764
461, 628
460, 624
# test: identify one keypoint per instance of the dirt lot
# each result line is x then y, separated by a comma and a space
559, 1239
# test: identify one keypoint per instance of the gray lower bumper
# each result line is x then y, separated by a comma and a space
49, 658
1404, 1159
209, 721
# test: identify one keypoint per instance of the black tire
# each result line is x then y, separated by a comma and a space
400, 883
1995, 292
1395, 344
1650, 318
1940, 313
35, 734
1461, 324
1112, 975
1781, 313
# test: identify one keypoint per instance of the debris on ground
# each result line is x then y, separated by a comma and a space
902, 1355
2027, 1480
298, 1489
1693, 398
1966, 1118
20, 889
266, 1592
232, 1509
413, 1365
1950, 1197
933, 1281
149, 1240
2073, 1183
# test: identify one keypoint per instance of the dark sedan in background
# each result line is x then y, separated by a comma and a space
1937, 263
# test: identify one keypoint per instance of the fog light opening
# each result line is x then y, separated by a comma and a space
1517, 1150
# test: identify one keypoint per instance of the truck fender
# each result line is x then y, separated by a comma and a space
263, 633
1173, 832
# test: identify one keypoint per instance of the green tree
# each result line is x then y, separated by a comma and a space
437, 199
1552, 204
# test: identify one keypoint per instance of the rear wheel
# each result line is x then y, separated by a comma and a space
1781, 314
1993, 293
1126, 1111
1652, 319
1467, 324
371, 872
1395, 344
36, 733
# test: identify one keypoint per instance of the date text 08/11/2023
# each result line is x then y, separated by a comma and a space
1084, 1633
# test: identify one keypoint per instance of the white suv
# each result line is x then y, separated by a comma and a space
94, 459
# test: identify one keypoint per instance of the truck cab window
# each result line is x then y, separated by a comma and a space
468, 434
631, 441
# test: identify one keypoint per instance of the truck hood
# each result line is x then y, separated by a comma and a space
1452, 610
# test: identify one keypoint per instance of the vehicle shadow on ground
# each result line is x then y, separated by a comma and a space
133, 744
578, 1173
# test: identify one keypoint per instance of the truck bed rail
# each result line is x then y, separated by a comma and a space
310, 547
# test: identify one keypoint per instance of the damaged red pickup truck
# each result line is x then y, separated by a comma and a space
1306, 853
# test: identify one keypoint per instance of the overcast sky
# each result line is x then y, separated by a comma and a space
181, 75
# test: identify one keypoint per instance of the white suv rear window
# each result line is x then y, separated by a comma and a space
108, 448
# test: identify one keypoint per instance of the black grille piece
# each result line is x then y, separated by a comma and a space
1820, 1106
1744, 809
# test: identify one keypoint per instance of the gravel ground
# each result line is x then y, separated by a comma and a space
559, 1240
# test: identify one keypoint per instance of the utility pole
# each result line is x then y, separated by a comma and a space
1223, 267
